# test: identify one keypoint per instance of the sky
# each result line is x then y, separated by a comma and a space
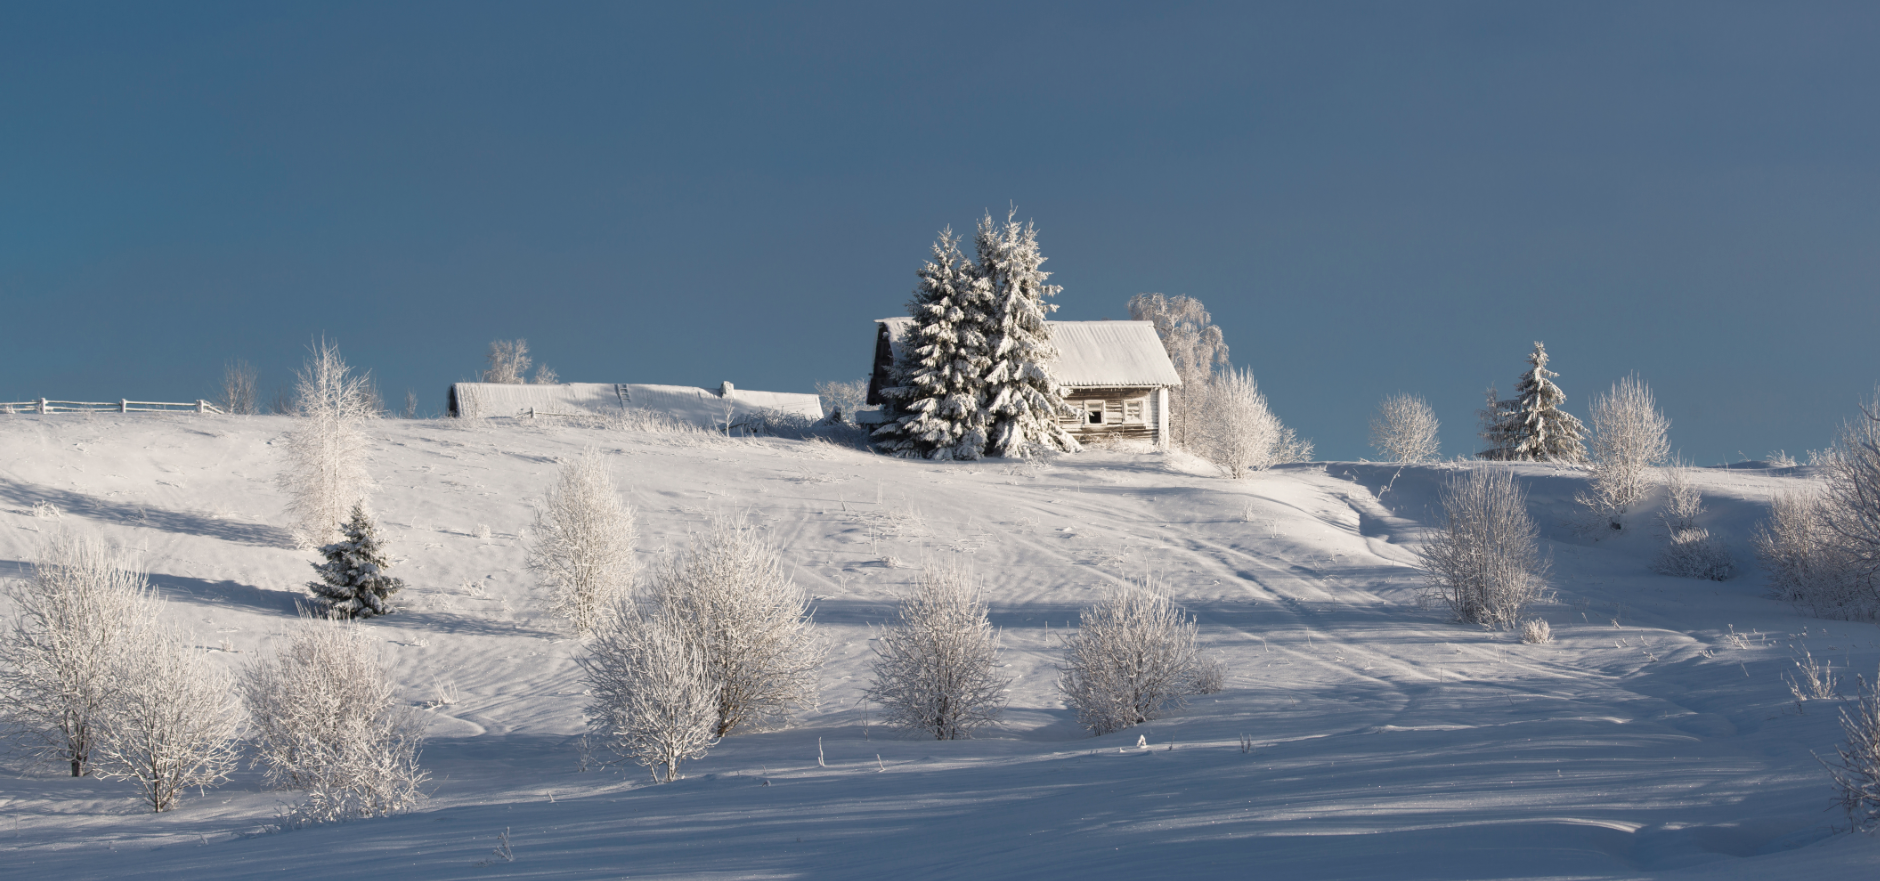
1369, 198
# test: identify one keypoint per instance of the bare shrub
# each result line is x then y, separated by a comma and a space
1534, 631
1194, 345
1628, 439
934, 670
1210, 676
327, 721
582, 542
1689, 551
1811, 680
728, 600
1240, 432
172, 721
325, 473
1484, 561
77, 620
1404, 430
1131, 660
1856, 771
650, 699
239, 387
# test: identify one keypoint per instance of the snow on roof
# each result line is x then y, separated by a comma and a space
694, 405
1092, 354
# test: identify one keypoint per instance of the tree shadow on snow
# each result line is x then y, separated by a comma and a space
258, 534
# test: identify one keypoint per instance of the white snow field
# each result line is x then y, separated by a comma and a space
1654, 738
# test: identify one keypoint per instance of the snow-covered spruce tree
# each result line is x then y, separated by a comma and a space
1628, 439
1531, 427
173, 719
327, 720
728, 600
1239, 432
325, 473
583, 539
353, 581
1023, 400
1194, 345
1404, 430
1689, 551
1484, 562
938, 395
1131, 660
934, 670
78, 619
650, 699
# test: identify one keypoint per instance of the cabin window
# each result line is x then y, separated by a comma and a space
1132, 410
1093, 412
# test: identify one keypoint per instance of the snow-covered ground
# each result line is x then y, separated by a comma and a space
1647, 741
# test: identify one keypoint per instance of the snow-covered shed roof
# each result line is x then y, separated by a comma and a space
697, 406
1092, 354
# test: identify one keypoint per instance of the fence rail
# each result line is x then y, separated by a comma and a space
123, 406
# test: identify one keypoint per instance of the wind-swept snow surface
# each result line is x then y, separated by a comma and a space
1653, 737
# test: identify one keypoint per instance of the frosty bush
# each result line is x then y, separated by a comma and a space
1689, 551
650, 699
1404, 430
1628, 439
78, 620
1534, 631
327, 721
1194, 346
727, 599
1856, 771
1131, 660
325, 473
1852, 512
354, 580
934, 671
1805, 560
583, 539
1210, 676
843, 398
172, 722
1484, 562
1240, 433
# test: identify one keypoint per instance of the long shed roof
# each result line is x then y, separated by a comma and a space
1093, 354
687, 403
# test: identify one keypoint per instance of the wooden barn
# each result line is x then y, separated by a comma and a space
1116, 375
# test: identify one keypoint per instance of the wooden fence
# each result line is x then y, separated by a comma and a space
44, 406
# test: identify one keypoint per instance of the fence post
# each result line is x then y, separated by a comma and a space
124, 406
43, 409
200, 404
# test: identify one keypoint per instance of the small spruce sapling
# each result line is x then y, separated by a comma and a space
353, 581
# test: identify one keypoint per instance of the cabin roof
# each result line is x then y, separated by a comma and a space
1092, 354
690, 404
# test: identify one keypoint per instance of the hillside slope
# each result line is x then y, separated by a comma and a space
1647, 741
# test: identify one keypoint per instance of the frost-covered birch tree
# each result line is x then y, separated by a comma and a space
173, 719
583, 540
79, 619
1194, 345
1628, 440
509, 364
1023, 400
1484, 561
934, 670
651, 699
1405, 430
325, 472
729, 601
939, 390
1239, 432
1531, 427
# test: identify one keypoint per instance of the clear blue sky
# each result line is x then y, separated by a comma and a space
1370, 197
